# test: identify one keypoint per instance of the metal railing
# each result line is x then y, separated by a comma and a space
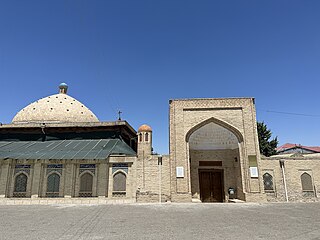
52, 194
85, 194
19, 194
119, 194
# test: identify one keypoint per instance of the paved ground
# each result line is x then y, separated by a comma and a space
167, 221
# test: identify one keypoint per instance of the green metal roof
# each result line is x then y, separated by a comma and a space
64, 149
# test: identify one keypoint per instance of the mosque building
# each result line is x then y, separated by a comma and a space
57, 151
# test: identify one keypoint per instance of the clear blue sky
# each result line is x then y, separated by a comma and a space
136, 55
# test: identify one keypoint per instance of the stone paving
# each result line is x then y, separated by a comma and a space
161, 221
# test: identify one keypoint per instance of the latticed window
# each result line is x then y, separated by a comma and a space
53, 185
86, 182
268, 182
20, 185
306, 182
119, 184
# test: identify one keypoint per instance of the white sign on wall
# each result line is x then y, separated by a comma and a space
254, 172
180, 172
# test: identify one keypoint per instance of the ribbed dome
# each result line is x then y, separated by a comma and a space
145, 128
55, 108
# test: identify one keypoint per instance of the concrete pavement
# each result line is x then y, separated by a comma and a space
165, 221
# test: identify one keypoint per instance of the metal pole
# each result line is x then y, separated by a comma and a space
284, 180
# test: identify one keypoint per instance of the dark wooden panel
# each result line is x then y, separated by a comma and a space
205, 186
211, 185
217, 187
210, 163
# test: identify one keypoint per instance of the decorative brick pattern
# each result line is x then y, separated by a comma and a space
236, 115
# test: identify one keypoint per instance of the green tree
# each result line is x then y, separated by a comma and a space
267, 146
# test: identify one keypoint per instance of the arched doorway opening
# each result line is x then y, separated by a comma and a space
215, 169
119, 184
53, 185
86, 183
20, 185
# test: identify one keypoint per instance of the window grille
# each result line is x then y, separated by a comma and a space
53, 185
87, 167
54, 166
120, 166
22, 168
306, 182
20, 185
86, 182
268, 182
119, 184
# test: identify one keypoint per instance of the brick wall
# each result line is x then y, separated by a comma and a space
235, 114
294, 167
153, 179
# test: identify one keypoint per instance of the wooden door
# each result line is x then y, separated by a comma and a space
211, 185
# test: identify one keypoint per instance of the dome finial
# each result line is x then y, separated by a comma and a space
63, 88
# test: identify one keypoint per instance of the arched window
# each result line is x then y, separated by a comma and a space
53, 185
306, 182
140, 137
146, 137
119, 184
268, 182
86, 182
20, 185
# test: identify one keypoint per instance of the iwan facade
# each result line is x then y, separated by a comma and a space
57, 151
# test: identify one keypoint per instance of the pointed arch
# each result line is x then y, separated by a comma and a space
53, 185
86, 183
119, 182
20, 184
268, 182
306, 182
223, 124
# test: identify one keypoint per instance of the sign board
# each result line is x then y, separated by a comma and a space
254, 172
180, 172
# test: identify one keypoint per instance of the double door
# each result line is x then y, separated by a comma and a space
211, 185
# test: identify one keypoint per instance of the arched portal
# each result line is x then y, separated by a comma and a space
53, 185
214, 161
86, 182
20, 185
119, 184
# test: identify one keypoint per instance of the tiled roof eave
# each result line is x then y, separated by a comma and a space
96, 149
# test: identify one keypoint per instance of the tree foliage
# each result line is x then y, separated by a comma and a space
267, 146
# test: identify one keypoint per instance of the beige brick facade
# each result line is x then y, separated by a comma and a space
234, 114
214, 156
294, 167
70, 177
